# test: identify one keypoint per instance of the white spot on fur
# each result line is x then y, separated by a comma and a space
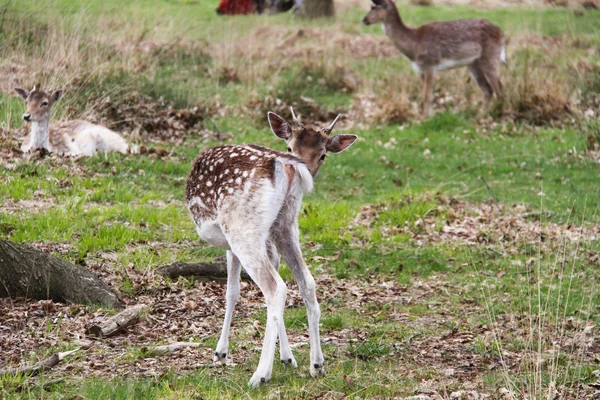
195, 201
233, 155
208, 183
245, 174
230, 190
253, 158
238, 180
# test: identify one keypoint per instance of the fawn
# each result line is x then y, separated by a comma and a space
70, 138
475, 43
246, 199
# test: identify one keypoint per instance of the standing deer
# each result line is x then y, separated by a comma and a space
245, 199
475, 43
70, 138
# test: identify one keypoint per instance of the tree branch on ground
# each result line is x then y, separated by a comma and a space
216, 270
115, 324
40, 366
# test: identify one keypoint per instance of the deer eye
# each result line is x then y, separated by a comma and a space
45, 104
289, 150
323, 157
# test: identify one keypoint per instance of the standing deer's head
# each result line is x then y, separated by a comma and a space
379, 11
38, 102
309, 145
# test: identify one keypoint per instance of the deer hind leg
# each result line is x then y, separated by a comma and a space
427, 77
482, 81
232, 296
285, 351
289, 247
254, 257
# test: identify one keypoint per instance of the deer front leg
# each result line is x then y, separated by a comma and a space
232, 296
285, 351
289, 248
427, 77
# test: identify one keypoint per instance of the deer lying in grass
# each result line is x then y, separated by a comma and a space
245, 199
475, 43
71, 138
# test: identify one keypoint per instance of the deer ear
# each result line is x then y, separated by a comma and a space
56, 95
339, 143
279, 126
23, 93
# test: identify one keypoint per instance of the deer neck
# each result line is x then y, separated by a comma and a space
401, 35
40, 132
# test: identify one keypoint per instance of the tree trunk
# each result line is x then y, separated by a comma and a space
317, 8
27, 272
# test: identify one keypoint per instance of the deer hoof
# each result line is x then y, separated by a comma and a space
220, 358
290, 361
317, 370
256, 382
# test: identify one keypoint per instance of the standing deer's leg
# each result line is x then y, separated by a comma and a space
289, 246
480, 77
427, 77
492, 76
232, 296
254, 257
285, 351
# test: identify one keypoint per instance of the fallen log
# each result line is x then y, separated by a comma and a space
216, 270
115, 324
38, 367
27, 272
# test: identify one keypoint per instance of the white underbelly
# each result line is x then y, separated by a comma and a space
210, 231
450, 63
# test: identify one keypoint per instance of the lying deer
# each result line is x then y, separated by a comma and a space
69, 137
475, 43
245, 199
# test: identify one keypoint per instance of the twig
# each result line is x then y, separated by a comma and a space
491, 193
537, 214
169, 348
40, 366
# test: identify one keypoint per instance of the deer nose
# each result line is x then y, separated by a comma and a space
365, 21
27, 117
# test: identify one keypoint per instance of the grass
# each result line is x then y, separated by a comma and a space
369, 222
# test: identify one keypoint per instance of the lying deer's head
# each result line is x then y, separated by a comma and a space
38, 103
379, 11
309, 145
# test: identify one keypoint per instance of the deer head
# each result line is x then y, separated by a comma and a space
379, 11
309, 145
38, 102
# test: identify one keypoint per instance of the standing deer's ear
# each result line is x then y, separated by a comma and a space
23, 93
279, 126
339, 143
56, 95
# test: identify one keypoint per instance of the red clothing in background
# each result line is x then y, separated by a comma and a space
231, 7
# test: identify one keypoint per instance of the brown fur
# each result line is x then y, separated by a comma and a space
232, 167
475, 43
